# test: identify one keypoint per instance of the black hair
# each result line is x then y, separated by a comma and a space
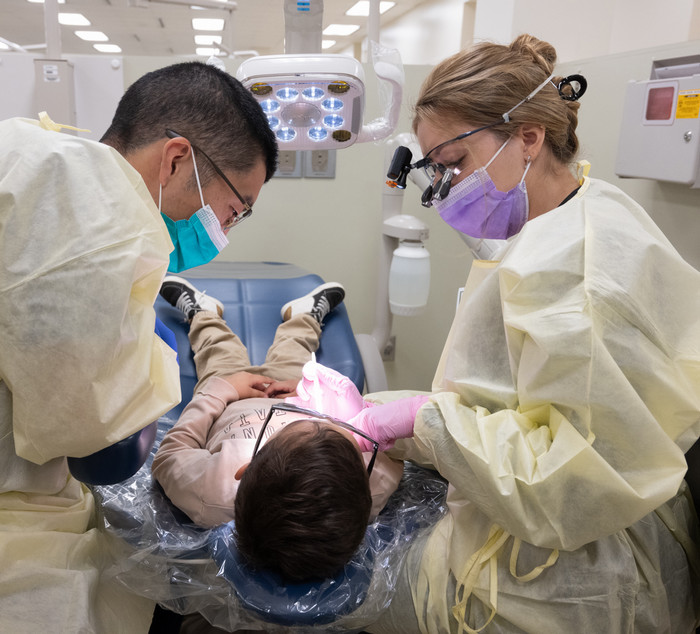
204, 104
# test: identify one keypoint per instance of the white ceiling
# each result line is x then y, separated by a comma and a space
149, 27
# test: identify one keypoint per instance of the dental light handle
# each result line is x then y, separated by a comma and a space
389, 71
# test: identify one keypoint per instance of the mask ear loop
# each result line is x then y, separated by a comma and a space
196, 175
506, 115
527, 167
500, 149
160, 195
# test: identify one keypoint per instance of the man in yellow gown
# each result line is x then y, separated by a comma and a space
84, 248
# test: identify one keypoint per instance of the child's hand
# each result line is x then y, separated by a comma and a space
249, 385
282, 389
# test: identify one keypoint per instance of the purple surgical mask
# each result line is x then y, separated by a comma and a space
476, 208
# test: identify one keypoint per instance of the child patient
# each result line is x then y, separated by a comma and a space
306, 498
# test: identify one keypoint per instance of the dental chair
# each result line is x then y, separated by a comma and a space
160, 554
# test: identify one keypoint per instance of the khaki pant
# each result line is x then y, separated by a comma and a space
220, 352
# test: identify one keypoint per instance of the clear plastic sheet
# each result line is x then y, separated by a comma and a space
160, 554
390, 74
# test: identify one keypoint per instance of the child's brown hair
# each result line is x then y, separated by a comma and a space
303, 503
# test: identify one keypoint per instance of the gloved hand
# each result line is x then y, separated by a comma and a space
385, 423
327, 391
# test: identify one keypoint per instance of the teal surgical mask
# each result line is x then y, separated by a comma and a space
197, 240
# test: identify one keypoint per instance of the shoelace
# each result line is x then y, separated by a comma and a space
321, 308
185, 303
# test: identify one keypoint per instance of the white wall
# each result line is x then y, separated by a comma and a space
640, 24
577, 30
591, 29
16, 86
432, 32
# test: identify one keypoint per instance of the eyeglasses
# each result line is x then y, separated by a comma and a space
440, 175
247, 208
288, 407
432, 169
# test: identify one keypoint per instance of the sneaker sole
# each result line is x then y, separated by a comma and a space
309, 296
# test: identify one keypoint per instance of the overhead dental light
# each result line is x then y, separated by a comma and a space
311, 101
314, 100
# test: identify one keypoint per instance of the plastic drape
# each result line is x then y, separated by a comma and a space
390, 75
163, 556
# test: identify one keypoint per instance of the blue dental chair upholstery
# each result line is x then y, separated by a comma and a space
162, 555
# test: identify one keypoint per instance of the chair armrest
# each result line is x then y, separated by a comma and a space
118, 461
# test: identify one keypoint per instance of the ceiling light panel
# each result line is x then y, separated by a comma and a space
107, 48
73, 19
92, 36
207, 40
206, 51
361, 8
340, 29
208, 24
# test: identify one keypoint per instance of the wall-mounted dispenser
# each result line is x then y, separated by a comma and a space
660, 131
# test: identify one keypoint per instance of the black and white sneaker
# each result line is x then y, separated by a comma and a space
318, 303
178, 292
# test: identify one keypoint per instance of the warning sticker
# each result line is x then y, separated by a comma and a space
688, 106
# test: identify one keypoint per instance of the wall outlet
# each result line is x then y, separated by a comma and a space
290, 164
319, 163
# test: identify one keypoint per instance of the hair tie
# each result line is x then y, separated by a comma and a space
572, 88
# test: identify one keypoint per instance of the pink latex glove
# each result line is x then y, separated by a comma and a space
327, 391
385, 423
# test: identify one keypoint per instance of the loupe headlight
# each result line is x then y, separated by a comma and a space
399, 167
